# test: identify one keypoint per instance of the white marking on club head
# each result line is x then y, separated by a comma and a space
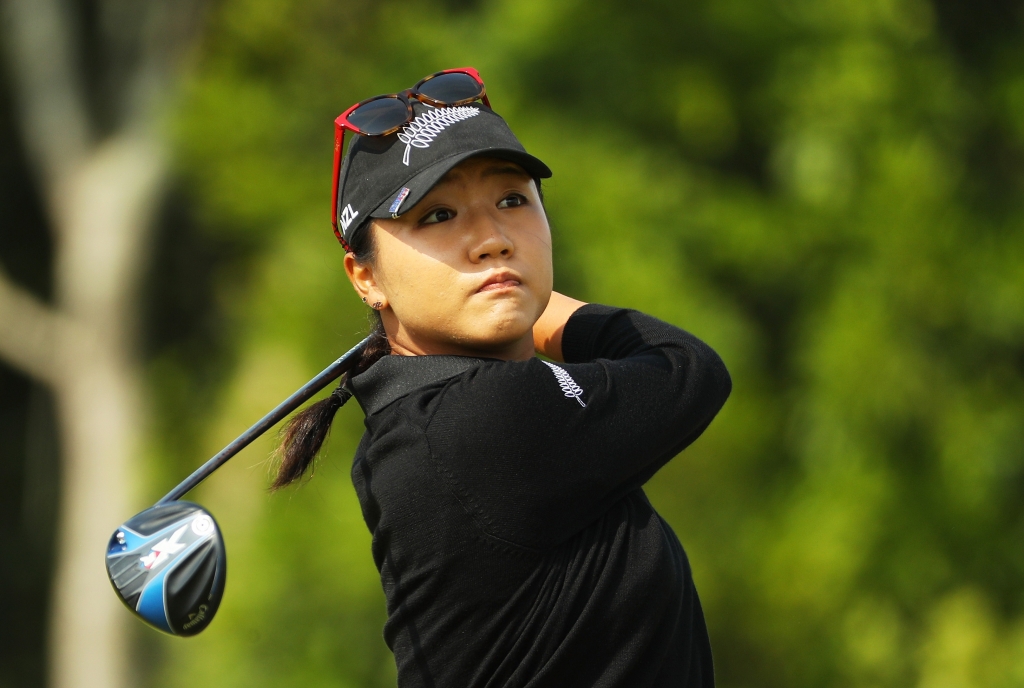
202, 525
163, 550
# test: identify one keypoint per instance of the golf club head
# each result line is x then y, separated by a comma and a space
168, 565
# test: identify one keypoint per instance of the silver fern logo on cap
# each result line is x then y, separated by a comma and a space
569, 387
427, 125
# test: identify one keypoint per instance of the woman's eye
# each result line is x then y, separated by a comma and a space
512, 201
439, 215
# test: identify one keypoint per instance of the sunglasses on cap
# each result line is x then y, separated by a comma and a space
386, 114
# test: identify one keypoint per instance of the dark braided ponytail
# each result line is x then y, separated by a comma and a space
308, 429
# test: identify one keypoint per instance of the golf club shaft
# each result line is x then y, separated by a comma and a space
330, 373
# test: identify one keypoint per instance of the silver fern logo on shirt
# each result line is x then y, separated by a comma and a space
569, 387
420, 132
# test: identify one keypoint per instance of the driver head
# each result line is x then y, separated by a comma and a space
168, 565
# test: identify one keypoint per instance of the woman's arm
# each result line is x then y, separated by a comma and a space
547, 331
536, 451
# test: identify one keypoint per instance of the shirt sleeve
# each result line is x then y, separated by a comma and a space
536, 451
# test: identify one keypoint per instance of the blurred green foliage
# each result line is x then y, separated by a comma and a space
827, 191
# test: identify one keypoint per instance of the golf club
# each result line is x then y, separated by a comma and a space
168, 564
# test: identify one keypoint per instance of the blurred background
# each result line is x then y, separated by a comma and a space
829, 192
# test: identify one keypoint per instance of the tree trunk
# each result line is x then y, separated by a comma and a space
101, 194
107, 216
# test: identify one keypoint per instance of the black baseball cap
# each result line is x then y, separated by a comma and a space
383, 176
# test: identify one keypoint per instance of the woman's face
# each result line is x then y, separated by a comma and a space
466, 271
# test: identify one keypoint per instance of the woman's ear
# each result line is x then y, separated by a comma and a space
364, 280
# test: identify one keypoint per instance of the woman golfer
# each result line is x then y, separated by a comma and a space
504, 493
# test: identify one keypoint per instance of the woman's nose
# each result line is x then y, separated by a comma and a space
491, 241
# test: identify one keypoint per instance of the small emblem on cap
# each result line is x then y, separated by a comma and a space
402, 195
347, 215
427, 125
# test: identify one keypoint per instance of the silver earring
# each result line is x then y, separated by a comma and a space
376, 306
364, 299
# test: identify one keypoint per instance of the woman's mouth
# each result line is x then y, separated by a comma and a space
500, 280
499, 286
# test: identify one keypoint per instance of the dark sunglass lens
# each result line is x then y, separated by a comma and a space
451, 88
379, 115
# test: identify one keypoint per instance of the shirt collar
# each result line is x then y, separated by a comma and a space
393, 377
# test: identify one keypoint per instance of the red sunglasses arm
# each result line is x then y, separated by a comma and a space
339, 143
340, 125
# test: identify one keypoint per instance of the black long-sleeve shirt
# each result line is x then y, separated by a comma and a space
514, 542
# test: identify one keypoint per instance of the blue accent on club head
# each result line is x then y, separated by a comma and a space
151, 604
